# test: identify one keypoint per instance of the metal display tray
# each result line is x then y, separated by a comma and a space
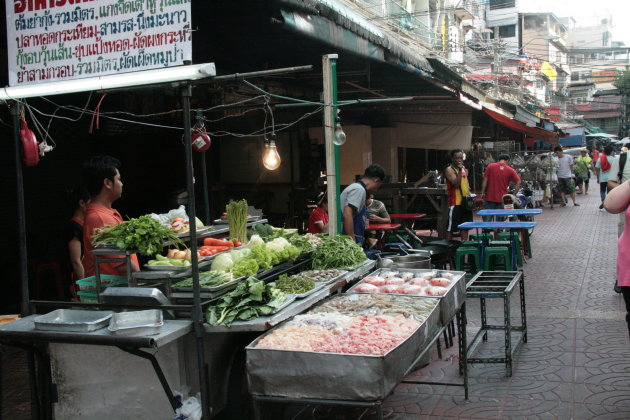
167, 267
318, 287
336, 376
200, 231
343, 273
449, 302
225, 221
147, 322
73, 320
134, 296
208, 292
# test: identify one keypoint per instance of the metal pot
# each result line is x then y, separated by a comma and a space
411, 261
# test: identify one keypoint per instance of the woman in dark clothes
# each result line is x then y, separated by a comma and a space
78, 199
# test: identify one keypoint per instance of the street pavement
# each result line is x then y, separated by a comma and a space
575, 364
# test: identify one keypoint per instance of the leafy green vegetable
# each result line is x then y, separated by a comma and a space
263, 230
301, 243
237, 219
294, 284
245, 267
206, 279
262, 256
251, 299
144, 233
338, 252
222, 262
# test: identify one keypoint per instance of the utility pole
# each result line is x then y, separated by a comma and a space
496, 62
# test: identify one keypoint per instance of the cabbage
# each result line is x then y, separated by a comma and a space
239, 254
278, 244
255, 240
222, 262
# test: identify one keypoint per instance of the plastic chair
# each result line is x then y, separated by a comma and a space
492, 253
481, 236
463, 257
505, 241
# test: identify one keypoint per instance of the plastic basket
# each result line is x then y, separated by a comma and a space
88, 284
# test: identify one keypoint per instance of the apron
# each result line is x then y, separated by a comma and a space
359, 221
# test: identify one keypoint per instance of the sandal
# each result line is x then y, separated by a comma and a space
563, 204
575, 204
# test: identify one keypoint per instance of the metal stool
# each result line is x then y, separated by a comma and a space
497, 285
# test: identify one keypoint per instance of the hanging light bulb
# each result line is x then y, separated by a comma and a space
271, 159
340, 137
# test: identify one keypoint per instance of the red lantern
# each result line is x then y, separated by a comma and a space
30, 149
200, 139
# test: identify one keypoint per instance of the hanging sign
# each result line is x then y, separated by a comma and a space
54, 40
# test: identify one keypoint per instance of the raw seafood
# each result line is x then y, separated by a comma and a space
379, 304
419, 281
370, 334
366, 288
375, 280
406, 276
436, 291
322, 275
395, 280
440, 281
391, 288
414, 290
447, 276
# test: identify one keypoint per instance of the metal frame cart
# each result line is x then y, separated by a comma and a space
498, 285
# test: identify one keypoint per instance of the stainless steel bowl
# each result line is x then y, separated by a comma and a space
411, 261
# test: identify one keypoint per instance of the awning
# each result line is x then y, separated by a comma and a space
337, 25
526, 117
536, 133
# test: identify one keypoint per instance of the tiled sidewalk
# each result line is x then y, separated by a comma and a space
575, 365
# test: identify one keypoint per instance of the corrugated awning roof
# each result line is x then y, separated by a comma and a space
321, 19
536, 133
592, 115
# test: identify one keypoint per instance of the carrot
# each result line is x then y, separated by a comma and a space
217, 248
217, 242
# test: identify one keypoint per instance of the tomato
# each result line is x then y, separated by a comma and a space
178, 219
237, 243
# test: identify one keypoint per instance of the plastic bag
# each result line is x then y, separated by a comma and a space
166, 218
190, 409
548, 192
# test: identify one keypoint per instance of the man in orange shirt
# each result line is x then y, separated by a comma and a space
102, 180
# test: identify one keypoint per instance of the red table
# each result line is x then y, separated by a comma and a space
408, 219
382, 228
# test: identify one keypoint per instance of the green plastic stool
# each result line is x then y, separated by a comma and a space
490, 254
460, 259
481, 236
508, 243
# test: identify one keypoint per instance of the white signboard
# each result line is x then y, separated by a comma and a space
53, 40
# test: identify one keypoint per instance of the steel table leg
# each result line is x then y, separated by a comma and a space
523, 312
508, 334
484, 320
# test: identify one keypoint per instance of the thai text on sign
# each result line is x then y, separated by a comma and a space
52, 40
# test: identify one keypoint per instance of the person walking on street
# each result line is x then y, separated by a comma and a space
456, 190
583, 167
565, 176
496, 180
353, 201
617, 202
603, 168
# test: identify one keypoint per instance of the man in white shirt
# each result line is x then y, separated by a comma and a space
565, 176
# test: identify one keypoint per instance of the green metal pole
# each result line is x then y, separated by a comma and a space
333, 71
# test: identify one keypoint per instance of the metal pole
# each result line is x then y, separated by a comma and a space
197, 315
21, 227
332, 181
204, 179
